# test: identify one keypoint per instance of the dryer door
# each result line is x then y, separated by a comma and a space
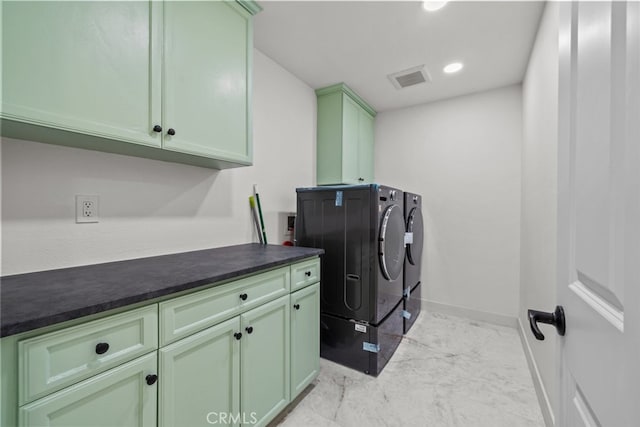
415, 226
391, 242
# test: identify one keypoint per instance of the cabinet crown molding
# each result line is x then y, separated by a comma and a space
342, 87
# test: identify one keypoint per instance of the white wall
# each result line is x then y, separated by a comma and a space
463, 156
539, 193
149, 207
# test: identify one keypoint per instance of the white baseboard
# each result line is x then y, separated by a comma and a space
543, 398
481, 316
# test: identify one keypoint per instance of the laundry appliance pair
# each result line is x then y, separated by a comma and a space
365, 304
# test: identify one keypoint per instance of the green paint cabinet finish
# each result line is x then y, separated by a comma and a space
240, 369
305, 337
119, 397
191, 313
237, 371
265, 370
207, 56
87, 67
55, 360
305, 273
345, 140
164, 80
200, 377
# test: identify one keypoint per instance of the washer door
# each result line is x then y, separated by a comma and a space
415, 226
391, 242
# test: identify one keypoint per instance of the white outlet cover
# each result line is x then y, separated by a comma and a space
87, 209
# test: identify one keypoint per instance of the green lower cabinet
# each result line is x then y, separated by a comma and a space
265, 370
200, 378
305, 337
119, 397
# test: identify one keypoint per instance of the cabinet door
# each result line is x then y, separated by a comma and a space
265, 366
118, 397
365, 146
350, 134
207, 57
200, 378
88, 67
305, 337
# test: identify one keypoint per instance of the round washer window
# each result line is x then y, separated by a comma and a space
391, 242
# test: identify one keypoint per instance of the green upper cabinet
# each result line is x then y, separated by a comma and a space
163, 80
207, 57
345, 137
87, 67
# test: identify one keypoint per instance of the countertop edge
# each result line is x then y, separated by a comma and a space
19, 327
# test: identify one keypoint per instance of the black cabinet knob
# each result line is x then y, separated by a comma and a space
556, 319
237, 335
171, 131
157, 128
151, 379
307, 273
296, 306
249, 329
243, 297
102, 348
360, 179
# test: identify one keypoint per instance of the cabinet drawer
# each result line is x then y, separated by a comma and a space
121, 396
55, 360
194, 312
305, 273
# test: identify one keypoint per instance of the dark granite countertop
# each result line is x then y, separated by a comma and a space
34, 300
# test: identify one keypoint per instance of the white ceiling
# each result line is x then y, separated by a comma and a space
360, 43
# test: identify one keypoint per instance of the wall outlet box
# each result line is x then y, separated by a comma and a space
86, 209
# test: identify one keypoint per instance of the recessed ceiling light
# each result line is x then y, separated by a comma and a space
433, 5
454, 67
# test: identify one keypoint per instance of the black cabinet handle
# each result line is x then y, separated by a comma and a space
151, 379
360, 179
171, 131
237, 335
296, 306
307, 273
157, 128
102, 348
249, 329
556, 319
243, 297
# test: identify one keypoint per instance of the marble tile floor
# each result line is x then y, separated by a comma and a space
448, 371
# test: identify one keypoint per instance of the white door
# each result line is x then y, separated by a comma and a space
599, 214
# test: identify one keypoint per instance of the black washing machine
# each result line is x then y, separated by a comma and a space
413, 260
362, 230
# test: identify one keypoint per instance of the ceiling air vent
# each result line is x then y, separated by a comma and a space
410, 77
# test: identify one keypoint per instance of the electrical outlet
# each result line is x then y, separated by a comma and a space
86, 209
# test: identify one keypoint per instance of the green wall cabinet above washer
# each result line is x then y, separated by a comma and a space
164, 80
345, 140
